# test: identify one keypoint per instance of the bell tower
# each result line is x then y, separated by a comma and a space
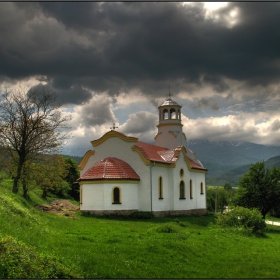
170, 129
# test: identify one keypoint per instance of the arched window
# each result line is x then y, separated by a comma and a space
201, 188
116, 195
160, 188
191, 190
181, 172
182, 190
173, 114
165, 114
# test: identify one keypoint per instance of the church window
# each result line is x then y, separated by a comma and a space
182, 190
116, 195
182, 172
173, 114
201, 188
165, 114
160, 188
191, 189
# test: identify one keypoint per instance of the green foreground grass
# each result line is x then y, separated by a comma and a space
182, 247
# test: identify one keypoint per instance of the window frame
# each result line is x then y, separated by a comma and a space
160, 188
182, 192
201, 188
191, 189
119, 195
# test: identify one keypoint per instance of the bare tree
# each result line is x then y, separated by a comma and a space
31, 123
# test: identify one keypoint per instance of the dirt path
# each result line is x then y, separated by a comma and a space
60, 207
273, 223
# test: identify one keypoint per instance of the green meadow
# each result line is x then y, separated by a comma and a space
95, 247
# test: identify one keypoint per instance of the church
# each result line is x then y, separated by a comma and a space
122, 175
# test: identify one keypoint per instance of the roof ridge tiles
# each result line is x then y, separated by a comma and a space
110, 168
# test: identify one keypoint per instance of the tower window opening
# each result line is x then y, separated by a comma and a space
173, 114
178, 114
165, 114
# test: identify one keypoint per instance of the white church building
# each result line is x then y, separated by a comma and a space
122, 175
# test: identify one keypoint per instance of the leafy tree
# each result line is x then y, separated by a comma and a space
259, 188
27, 174
30, 125
50, 176
71, 177
227, 187
217, 196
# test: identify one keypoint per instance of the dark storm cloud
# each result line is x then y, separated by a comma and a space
275, 125
116, 47
207, 102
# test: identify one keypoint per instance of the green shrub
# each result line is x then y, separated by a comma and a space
249, 220
21, 261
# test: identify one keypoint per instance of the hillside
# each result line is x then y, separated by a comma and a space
45, 245
232, 176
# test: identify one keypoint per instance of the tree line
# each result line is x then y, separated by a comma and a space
257, 189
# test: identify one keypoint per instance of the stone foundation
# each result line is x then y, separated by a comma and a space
172, 213
110, 212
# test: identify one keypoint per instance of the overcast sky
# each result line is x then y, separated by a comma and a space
113, 62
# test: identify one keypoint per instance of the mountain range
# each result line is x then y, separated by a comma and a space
228, 161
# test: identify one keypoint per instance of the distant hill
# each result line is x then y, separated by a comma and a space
224, 156
233, 176
75, 158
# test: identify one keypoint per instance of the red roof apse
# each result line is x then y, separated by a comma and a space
110, 168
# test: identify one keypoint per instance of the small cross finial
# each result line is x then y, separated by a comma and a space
114, 126
169, 94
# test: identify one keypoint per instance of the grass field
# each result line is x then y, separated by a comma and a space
182, 247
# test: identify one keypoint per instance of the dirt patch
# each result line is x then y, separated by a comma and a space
60, 207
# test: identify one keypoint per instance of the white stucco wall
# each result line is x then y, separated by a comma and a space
164, 173
168, 140
92, 197
99, 196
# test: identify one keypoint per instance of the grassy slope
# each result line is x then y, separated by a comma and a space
186, 247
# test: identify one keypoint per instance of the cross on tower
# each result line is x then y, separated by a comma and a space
114, 127
170, 94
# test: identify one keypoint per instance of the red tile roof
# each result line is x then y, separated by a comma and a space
110, 168
196, 165
156, 153
164, 155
